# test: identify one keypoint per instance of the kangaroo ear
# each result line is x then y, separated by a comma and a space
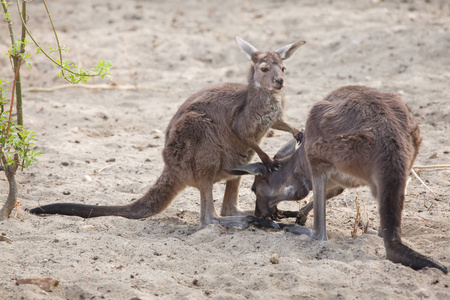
256, 169
287, 51
246, 47
286, 150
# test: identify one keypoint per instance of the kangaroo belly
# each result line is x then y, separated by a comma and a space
339, 178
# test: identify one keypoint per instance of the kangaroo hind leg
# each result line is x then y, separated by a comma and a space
391, 198
208, 214
230, 204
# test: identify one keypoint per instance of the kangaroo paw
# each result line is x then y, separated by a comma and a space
299, 137
273, 166
264, 223
276, 214
301, 218
287, 214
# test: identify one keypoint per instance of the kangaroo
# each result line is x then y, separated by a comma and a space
356, 136
216, 128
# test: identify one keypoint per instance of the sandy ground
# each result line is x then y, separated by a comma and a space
104, 147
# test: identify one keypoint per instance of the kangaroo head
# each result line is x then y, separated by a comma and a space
268, 67
287, 183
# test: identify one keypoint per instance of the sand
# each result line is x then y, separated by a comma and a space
104, 147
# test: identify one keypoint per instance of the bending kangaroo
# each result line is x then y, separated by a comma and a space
356, 136
217, 128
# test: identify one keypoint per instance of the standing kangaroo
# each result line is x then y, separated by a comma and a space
217, 128
356, 136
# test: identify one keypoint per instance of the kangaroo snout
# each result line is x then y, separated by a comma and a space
278, 83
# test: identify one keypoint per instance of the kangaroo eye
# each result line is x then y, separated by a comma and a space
283, 69
264, 70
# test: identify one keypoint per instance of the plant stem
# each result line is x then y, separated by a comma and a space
11, 30
10, 25
18, 81
7, 208
16, 63
24, 33
10, 169
12, 95
56, 35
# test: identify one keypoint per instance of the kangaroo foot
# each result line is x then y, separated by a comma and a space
296, 229
400, 253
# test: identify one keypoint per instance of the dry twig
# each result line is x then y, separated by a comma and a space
423, 183
430, 167
421, 167
16, 207
357, 219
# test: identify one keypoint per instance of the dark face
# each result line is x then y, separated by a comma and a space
270, 189
269, 71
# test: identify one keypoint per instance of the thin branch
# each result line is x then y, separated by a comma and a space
421, 181
430, 167
358, 219
308, 199
367, 217
406, 186
24, 15
56, 35
45, 53
8, 20
421, 167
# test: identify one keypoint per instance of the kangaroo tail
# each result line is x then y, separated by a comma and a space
157, 199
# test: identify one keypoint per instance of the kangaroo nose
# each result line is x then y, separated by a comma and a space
280, 81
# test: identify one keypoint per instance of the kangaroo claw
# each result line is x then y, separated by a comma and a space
275, 165
264, 223
276, 214
299, 137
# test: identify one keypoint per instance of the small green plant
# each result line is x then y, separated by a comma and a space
16, 142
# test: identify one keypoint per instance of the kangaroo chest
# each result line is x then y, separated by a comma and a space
272, 113
266, 115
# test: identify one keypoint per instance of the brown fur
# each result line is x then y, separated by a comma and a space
215, 129
356, 136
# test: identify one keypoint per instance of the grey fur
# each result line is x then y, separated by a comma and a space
356, 136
